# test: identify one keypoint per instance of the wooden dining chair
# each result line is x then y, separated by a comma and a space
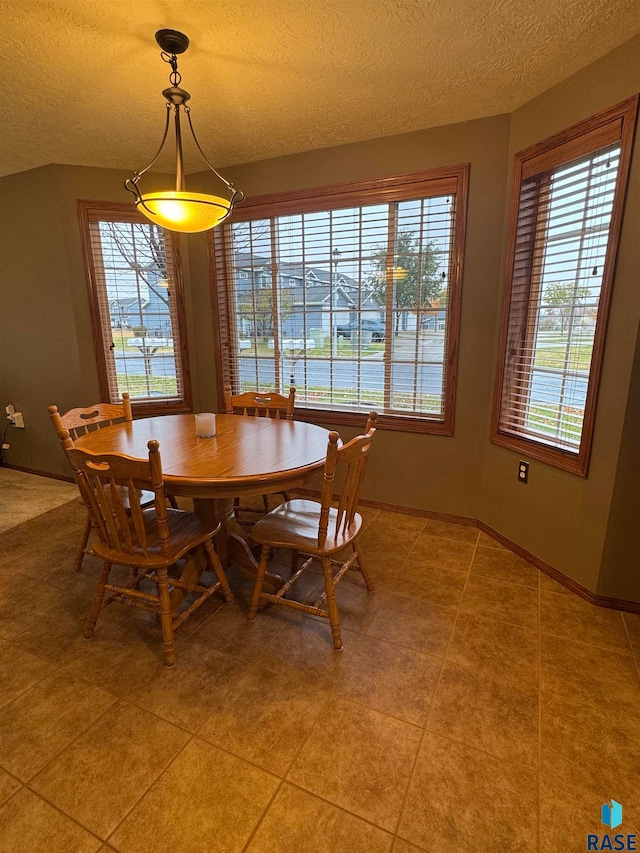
79, 421
259, 404
150, 541
319, 531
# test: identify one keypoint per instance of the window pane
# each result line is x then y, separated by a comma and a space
548, 391
350, 305
134, 280
564, 236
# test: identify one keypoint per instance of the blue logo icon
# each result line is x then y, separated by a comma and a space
612, 814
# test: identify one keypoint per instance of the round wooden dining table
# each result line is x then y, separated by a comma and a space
246, 456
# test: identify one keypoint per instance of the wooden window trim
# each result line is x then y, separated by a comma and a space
445, 180
92, 211
617, 123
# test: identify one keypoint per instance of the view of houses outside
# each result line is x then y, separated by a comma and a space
350, 310
351, 305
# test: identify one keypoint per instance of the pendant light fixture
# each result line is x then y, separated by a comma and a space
180, 209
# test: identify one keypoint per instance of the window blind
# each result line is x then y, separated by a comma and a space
355, 305
563, 251
135, 291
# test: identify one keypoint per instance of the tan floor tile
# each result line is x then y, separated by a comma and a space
433, 583
265, 719
593, 673
8, 786
304, 649
445, 553
360, 761
228, 630
465, 800
357, 606
59, 638
402, 846
62, 523
448, 530
632, 622
84, 582
392, 533
571, 797
105, 771
590, 733
29, 825
496, 649
548, 584
42, 721
498, 717
507, 602
186, 694
383, 568
575, 619
19, 670
413, 623
297, 820
120, 657
488, 541
23, 602
207, 800
388, 678
369, 515
503, 565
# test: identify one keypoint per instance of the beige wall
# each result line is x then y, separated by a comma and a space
46, 348
558, 516
46, 345
429, 472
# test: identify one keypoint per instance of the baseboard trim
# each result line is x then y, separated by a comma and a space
547, 569
67, 478
537, 562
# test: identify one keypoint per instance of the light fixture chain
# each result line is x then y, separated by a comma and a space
175, 77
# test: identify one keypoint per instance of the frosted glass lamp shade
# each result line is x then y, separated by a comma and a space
184, 211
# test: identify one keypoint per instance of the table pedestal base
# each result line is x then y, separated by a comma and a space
231, 542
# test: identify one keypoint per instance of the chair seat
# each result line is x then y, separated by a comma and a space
186, 531
294, 524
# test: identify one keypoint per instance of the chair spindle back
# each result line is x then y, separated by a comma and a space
103, 477
258, 404
354, 456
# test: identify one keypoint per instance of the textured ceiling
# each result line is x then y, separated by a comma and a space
83, 78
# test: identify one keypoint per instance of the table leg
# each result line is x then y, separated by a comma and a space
231, 542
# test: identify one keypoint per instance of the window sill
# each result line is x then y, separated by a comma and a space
564, 460
147, 409
396, 423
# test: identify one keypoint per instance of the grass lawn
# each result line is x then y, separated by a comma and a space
146, 386
579, 356
544, 419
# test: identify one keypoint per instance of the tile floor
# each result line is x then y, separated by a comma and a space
477, 706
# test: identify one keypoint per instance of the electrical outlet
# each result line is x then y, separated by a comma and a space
17, 419
523, 471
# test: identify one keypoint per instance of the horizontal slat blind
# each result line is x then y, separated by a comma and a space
568, 218
134, 280
351, 305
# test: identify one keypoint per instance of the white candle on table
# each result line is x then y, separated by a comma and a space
205, 425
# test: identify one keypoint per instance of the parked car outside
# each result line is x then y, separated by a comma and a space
367, 325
